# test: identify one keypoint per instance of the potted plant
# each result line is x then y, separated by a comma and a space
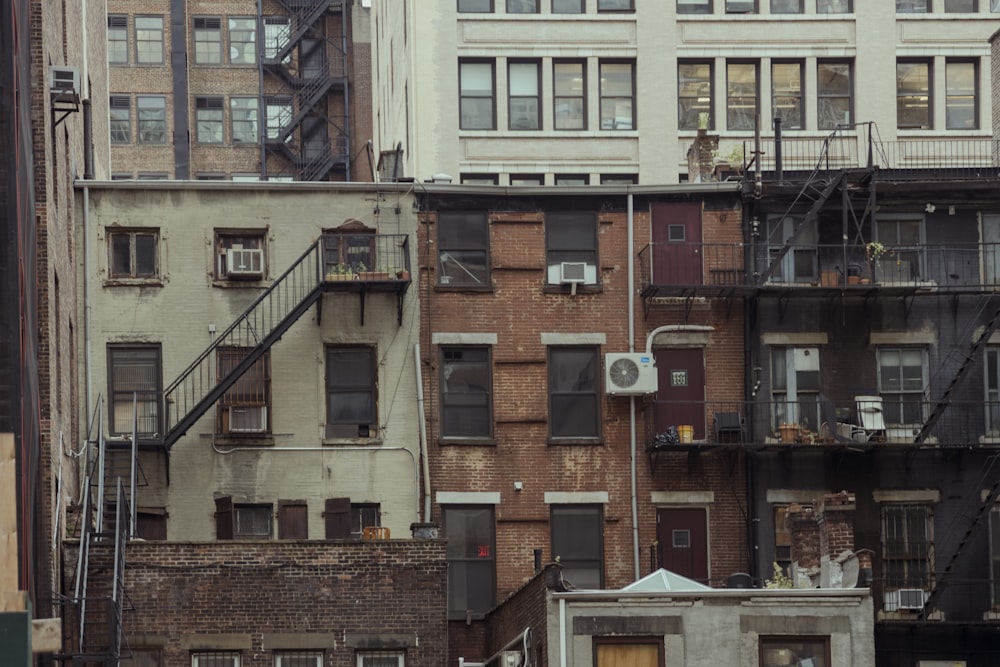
874, 251
401, 274
365, 274
339, 272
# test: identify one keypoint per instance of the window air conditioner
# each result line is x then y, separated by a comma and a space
630, 373
906, 599
510, 659
248, 419
64, 84
244, 263
573, 273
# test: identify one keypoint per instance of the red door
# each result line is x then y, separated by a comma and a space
676, 244
682, 533
681, 396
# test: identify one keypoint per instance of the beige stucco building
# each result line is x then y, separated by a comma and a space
611, 91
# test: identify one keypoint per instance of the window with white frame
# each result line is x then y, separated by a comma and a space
381, 659
795, 386
617, 95
207, 40
569, 93
786, 94
907, 546
741, 95
961, 94
149, 40
902, 384
243, 41
298, 659
523, 83
834, 94
215, 659
477, 101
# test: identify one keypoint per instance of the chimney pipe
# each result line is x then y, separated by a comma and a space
88, 142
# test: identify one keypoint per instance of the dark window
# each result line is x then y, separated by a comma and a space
381, 659
567, 6
834, 94
833, 6
293, 520
523, 84
152, 112
477, 101
572, 179
794, 651
527, 179
694, 96
251, 522
151, 525
479, 179
350, 392
569, 104
570, 237
574, 393
913, 6
299, 659
337, 518
994, 534
961, 95
149, 40
208, 117
786, 94
463, 249
134, 371
617, 95
522, 6
133, 253
364, 515
208, 41
907, 547
786, 6
215, 659
741, 6
466, 392
121, 119
118, 40
245, 407
615, 5
741, 95
484, 6
619, 179
901, 383
471, 559
694, 6
578, 543
960, 6
913, 95
243, 41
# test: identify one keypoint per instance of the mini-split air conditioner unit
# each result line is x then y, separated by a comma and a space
630, 373
245, 263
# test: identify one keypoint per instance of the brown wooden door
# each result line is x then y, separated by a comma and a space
677, 249
680, 399
628, 654
682, 533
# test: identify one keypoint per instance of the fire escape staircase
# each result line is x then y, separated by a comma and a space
311, 77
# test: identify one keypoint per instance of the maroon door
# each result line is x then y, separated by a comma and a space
680, 399
682, 533
676, 244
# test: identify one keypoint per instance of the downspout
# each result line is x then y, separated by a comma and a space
631, 401
562, 627
423, 433
88, 364
261, 105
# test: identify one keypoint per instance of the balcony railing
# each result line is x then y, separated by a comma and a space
857, 422
368, 258
953, 267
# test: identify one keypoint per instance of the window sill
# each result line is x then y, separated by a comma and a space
244, 440
133, 282
352, 442
566, 289
464, 287
576, 441
485, 442
227, 284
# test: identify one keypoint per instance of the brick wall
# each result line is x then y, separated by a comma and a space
257, 596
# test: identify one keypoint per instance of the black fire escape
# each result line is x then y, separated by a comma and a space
309, 130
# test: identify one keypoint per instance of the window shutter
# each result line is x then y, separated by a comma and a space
224, 518
338, 518
293, 520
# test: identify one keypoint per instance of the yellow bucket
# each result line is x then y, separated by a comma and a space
686, 431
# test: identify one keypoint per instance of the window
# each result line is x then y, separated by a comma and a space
298, 659
476, 101
993, 392
794, 651
243, 115
578, 543
463, 249
694, 96
244, 408
134, 371
381, 659
907, 546
995, 6
523, 84
279, 116
995, 556
133, 253
961, 92
243, 41
913, 88
118, 40
786, 6
960, 6
479, 179
121, 119
569, 104
619, 179
795, 386
241, 522
152, 110
834, 94
782, 538
786, 94
527, 179
277, 33
694, 6
208, 41
904, 236
350, 392
833, 6
215, 659
614, 5
741, 95
572, 179
574, 393
484, 6
741, 6
208, 116
633, 651
149, 40
364, 515
570, 237
913, 6
901, 382
617, 94
471, 554
522, 6
466, 392
567, 6
800, 263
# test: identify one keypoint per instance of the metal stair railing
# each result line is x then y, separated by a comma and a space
304, 18
199, 386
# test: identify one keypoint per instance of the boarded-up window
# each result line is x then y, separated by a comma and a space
337, 517
293, 520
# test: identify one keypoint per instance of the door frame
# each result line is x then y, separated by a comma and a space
708, 534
